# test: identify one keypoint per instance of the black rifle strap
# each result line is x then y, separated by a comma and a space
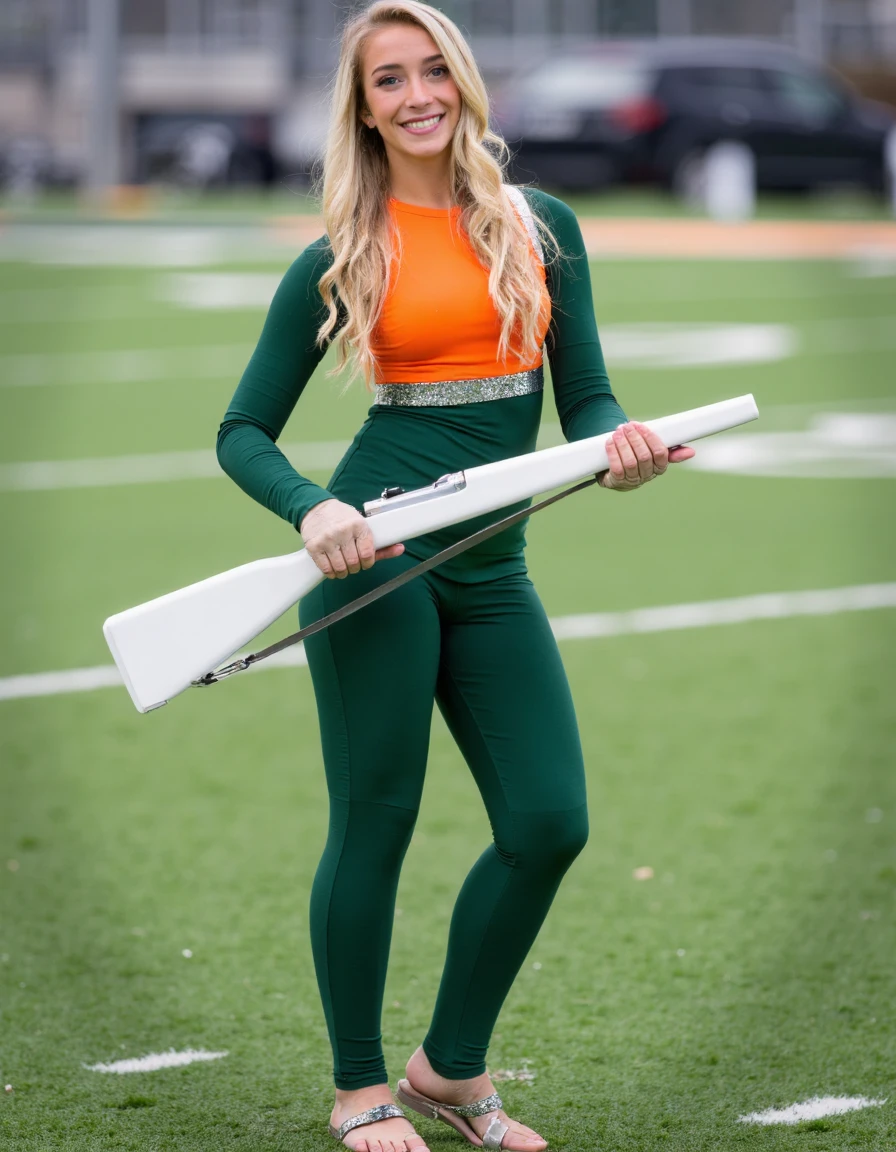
390, 586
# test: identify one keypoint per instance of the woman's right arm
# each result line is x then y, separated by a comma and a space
335, 534
275, 377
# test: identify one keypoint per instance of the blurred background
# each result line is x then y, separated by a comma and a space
591, 93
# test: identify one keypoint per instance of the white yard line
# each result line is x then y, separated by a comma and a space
595, 625
138, 245
655, 345
151, 468
158, 467
812, 1109
322, 455
124, 366
156, 1060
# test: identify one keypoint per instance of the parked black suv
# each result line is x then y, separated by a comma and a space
645, 111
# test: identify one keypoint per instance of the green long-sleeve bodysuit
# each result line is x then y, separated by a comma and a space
472, 635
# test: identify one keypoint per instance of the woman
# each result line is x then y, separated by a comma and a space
429, 282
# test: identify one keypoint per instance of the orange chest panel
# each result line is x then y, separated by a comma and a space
438, 320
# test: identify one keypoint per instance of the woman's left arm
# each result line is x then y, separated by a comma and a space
585, 402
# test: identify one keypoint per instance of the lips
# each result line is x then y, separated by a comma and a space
424, 124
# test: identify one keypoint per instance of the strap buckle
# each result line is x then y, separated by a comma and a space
222, 673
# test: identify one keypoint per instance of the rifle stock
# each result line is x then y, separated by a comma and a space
162, 646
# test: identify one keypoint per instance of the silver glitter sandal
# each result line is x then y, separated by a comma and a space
381, 1112
455, 1114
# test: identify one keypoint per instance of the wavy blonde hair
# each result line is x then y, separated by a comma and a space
356, 188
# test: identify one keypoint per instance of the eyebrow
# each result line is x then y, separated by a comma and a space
398, 67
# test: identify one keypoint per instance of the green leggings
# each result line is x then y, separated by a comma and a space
486, 653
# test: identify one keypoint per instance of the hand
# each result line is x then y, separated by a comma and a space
636, 455
339, 540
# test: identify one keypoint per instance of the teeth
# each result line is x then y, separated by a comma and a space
422, 123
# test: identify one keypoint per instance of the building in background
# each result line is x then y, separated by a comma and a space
220, 90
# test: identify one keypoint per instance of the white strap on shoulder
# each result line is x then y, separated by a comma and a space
521, 204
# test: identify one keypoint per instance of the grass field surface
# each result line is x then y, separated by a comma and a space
155, 870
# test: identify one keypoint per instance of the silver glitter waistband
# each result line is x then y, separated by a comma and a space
445, 392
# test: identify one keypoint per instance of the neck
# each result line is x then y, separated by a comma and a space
426, 183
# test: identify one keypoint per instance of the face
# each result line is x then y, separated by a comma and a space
409, 95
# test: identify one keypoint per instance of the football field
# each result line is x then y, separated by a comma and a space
723, 946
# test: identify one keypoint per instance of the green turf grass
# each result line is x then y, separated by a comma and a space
740, 763
734, 762
290, 198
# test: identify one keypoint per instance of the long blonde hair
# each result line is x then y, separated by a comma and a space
356, 189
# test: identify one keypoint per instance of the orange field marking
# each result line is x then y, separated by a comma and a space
691, 239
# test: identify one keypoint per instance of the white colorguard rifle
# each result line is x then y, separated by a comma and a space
171, 643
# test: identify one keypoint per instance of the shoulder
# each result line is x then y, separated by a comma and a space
301, 277
554, 212
564, 243
315, 259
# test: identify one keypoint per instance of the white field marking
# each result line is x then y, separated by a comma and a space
321, 455
626, 346
152, 468
837, 445
156, 1060
696, 345
158, 467
591, 626
127, 366
634, 345
812, 1109
872, 263
215, 290
666, 345
135, 245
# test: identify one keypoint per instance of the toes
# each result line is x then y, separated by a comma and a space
522, 1139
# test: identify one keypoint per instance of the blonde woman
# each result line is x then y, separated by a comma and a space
440, 286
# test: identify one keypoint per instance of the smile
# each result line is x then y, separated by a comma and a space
423, 125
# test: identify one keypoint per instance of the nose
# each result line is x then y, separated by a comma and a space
418, 94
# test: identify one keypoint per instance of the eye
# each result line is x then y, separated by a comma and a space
385, 81
439, 71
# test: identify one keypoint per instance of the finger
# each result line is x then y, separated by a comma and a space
642, 452
627, 456
322, 561
366, 549
389, 553
352, 559
334, 552
676, 455
617, 471
658, 449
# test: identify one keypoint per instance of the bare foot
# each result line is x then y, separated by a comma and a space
425, 1079
392, 1135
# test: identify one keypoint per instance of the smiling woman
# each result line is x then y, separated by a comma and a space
413, 106
432, 272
